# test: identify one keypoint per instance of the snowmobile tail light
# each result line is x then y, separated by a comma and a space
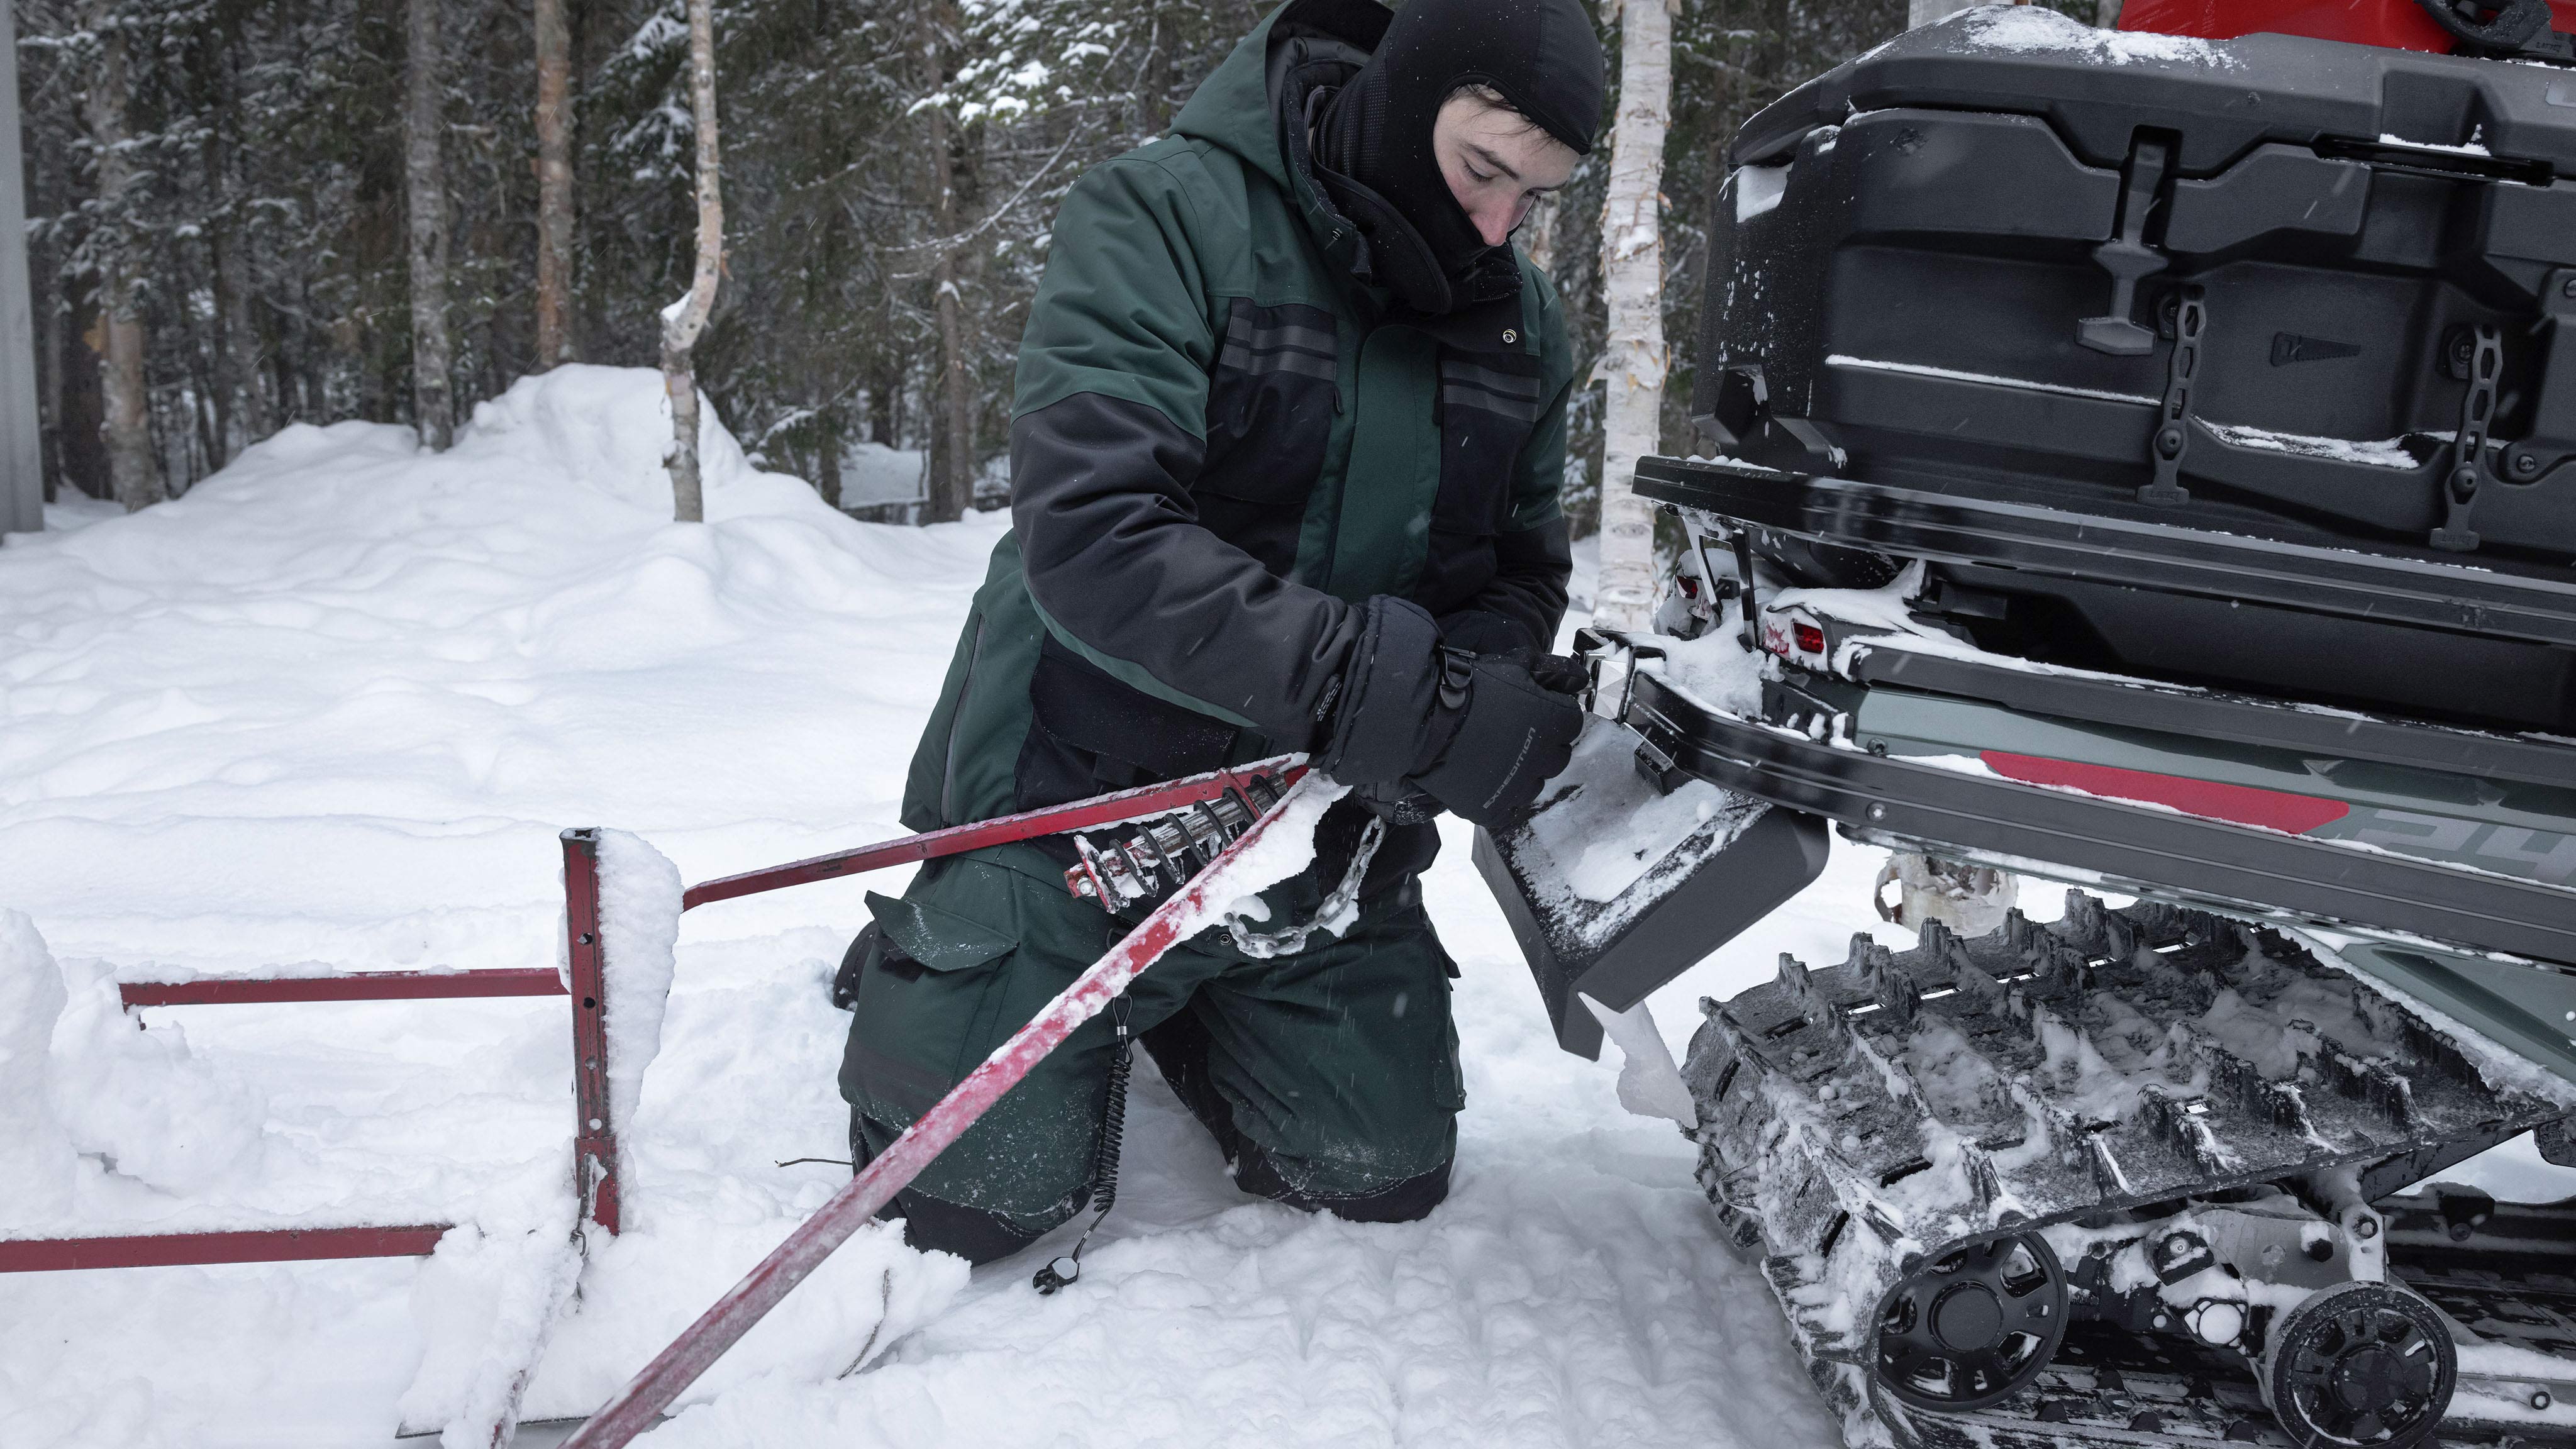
1809, 638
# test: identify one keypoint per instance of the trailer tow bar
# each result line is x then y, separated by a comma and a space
636, 1406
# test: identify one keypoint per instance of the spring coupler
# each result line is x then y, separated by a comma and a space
1164, 853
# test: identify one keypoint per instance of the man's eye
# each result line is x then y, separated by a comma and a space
1478, 175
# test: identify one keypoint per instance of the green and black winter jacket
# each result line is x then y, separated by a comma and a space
1225, 440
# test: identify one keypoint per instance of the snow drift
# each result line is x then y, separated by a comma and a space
330, 710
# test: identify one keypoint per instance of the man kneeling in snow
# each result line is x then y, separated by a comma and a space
1285, 456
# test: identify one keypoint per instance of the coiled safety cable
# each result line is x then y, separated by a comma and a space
1104, 1162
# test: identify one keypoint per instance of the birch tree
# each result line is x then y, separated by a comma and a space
425, 207
127, 427
683, 320
1634, 360
554, 186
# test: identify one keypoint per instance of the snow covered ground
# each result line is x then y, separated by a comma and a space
875, 473
333, 706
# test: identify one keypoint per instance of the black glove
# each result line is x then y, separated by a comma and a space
1380, 729
1512, 734
1477, 733
1560, 672
1482, 631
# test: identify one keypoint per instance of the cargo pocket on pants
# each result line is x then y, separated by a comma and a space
918, 1007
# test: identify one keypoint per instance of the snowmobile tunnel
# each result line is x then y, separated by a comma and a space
2084, 837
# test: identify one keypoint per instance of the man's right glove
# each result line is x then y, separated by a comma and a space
1477, 733
1513, 734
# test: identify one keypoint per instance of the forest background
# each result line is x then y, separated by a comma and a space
227, 180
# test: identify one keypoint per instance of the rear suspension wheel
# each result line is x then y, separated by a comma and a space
1974, 1327
2360, 1366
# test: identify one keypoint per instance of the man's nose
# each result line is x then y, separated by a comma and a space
1494, 224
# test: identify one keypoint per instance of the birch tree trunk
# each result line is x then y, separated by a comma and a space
683, 320
1538, 235
554, 186
126, 426
1632, 278
425, 202
950, 488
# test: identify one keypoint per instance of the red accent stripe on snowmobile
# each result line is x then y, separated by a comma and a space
2394, 24
1088, 814
2210, 799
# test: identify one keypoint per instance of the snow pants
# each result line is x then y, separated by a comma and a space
1329, 1078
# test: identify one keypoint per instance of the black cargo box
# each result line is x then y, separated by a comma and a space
2282, 286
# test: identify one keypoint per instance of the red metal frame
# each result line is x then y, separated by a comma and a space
170, 1250
594, 1134
594, 1142
1055, 820
369, 986
595, 1128
636, 1406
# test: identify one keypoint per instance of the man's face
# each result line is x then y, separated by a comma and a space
1498, 164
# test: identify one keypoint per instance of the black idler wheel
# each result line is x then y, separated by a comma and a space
1973, 1328
2360, 1366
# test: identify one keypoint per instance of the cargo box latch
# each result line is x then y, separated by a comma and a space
2128, 258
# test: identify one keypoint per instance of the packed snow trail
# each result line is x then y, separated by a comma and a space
332, 707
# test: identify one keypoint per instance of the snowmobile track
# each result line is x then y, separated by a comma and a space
1859, 1122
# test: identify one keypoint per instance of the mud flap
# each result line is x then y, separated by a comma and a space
1628, 874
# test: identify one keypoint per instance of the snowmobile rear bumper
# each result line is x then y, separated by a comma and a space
2089, 839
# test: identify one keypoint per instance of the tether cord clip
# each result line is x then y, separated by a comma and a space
1104, 1163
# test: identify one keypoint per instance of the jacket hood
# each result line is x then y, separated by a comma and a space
1304, 51
1237, 106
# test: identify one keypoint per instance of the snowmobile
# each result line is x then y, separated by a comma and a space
2144, 460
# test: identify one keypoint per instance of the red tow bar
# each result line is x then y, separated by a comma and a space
672, 1371
1099, 810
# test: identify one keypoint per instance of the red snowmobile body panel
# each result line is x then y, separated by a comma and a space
2395, 24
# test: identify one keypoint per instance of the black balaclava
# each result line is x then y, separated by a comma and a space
1373, 143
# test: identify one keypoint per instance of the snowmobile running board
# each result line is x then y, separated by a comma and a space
2236, 868
2204, 714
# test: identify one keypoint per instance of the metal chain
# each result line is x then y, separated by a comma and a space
1261, 945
